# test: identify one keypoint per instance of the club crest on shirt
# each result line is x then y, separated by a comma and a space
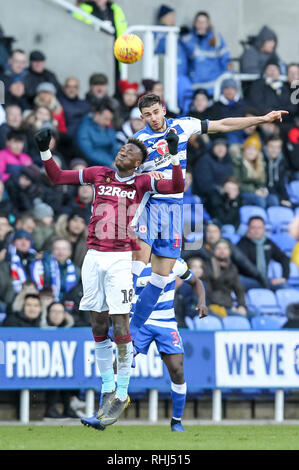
161, 147
108, 179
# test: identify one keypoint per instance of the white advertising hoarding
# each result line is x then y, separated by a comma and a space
257, 359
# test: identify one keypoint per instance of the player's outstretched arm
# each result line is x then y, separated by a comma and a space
236, 124
176, 184
56, 175
200, 293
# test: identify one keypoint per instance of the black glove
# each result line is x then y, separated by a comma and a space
42, 139
172, 140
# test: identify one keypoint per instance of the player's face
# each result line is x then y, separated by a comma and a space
128, 158
154, 117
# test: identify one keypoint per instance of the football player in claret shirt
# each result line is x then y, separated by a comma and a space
107, 267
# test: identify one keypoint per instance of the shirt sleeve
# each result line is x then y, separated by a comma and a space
146, 183
194, 126
88, 175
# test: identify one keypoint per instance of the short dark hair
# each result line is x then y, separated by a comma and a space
274, 138
20, 51
255, 217
100, 108
148, 100
54, 303
231, 179
15, 134
141, 147
32, 296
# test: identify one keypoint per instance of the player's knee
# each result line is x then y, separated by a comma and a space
120, 325
99, 326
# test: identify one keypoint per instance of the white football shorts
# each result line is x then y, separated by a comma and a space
107, 282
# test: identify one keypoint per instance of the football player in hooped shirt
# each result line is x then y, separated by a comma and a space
164, 247
107, 267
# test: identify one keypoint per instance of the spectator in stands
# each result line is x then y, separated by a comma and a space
249, 170
201, 105
13, 122
236, 149
58, 317
96, 138
73, 227
23, 261
212, 169
29, 317
128, 98
37, 73
203, 57
28, 287
74, 107
81, 202
270, 92
44, 230
12, 157
165, 17
71, 302
60, 273
212, 236
194, 214
98, 97
46, 96
276, 172
5, 230
230, 104
132, 125
292, 148
25, 221
222, 280
16, 68
260, 250
46, 298
24, 189
261, 51
15, 95
224, 204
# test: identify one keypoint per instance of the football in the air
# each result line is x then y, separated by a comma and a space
128, 48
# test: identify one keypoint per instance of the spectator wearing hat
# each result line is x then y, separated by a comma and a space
96, 138
24, 188
165, 17
230, 104
128, 98
249, 169
202, 57
12, 157
270, 92
261, 51
73, 227
212, 169
222, 280
46, 96
98, 97
44, 230
37, 73
23, 261
74, 107
60, 272
130, 127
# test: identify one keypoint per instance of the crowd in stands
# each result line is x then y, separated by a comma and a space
248, 181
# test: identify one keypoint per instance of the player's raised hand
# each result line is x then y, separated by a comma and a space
42, 139
172, 140
274, 115
202, 311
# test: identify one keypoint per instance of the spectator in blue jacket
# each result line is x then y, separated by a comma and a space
97, 139
165, 17
203, 57
74, 107
212, 169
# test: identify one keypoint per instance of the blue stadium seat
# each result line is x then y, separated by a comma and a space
268, 322
294, 275
235, 322
211, 322
189, 322
263, 301
284, 241
274, 270
249, 211
286, 297
293, 190
232, 237
279, 217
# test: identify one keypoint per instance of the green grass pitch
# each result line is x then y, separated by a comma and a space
116, 437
